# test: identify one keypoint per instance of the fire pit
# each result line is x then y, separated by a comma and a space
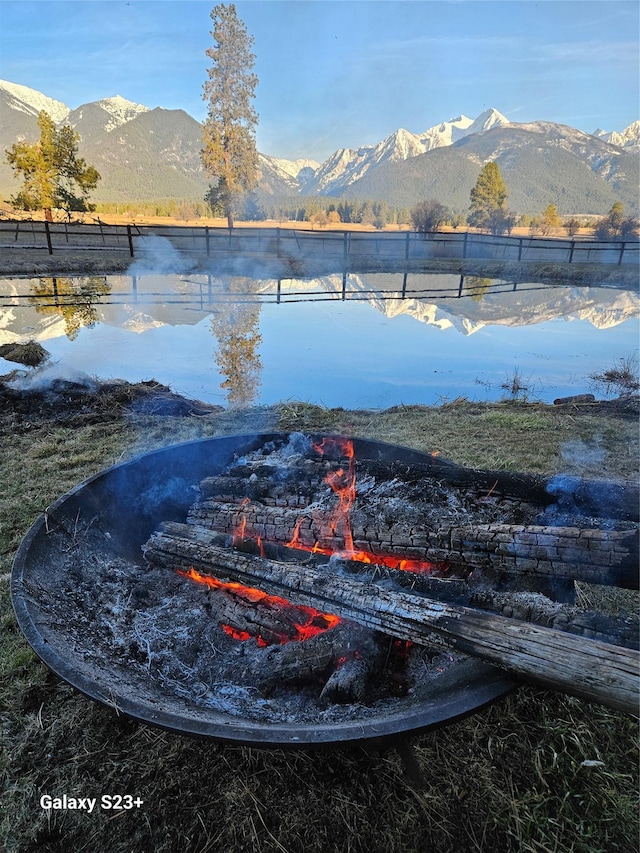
109, 602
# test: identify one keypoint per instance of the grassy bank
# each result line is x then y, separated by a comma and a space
536, 772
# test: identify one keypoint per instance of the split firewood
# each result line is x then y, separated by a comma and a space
572, 553
587, 668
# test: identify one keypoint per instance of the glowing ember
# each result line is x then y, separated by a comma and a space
306, 621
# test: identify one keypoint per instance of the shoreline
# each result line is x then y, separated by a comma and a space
20, 262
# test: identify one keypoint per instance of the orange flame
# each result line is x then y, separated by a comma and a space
306, 621
343, 484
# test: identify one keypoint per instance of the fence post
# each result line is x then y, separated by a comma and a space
17, 229
130, 239
464, 244
520, 249
622, 245
278, 243
573, 245
206, 238
406, 247
48, 233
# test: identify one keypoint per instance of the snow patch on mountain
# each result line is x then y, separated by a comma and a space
293, 173
32, 102
121, 110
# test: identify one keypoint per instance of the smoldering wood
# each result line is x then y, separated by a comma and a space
587, 668
316, 660
348, 682
599, 498
226, 489
573, 553
247, 612
528, 606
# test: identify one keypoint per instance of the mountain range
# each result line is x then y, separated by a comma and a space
148, 154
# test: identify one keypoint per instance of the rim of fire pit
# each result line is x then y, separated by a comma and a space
462, 690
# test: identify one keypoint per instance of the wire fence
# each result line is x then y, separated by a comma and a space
344, 246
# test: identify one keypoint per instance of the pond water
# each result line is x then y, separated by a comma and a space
351, 340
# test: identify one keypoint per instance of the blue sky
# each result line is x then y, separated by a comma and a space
345, 73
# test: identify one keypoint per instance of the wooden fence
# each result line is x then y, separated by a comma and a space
339, 246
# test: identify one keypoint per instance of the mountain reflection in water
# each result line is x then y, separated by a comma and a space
365, 340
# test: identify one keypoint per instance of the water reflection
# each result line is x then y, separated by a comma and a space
367, 340
235, 324
71, 299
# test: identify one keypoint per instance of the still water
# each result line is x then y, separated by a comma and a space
357, 341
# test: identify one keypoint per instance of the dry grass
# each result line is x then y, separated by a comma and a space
510, 778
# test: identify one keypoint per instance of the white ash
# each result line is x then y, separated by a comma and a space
153, 624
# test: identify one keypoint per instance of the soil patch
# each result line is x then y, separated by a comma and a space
23, 401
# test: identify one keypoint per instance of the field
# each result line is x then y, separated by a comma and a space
534, 773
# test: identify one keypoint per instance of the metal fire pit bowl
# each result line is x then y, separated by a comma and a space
125, 503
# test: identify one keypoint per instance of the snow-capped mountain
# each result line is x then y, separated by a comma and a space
628, 138
289, 174
113, 113
348, 165
29, 101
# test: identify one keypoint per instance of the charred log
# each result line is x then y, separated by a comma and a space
586, 668
571, 553
226, 489
527, 606
319, 661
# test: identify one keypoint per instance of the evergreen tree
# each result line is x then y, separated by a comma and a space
615, 226
550, 219
488, 199
54, 175
572, 226
236, 326
229, 152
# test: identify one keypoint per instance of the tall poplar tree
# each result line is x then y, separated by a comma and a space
53, 174
229, 152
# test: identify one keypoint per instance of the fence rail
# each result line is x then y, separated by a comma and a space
336, 245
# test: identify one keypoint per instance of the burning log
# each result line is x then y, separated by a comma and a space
527, 606
246, 612
570, 553
325, 658
336, 651
587, 668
